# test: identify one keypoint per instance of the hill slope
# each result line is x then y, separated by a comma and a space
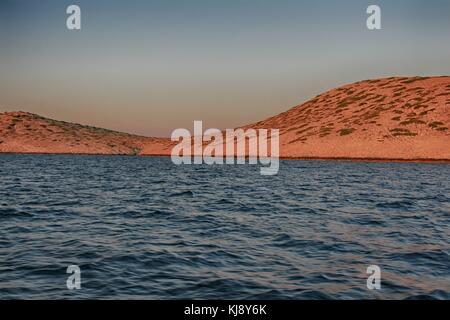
23, 132
393, 118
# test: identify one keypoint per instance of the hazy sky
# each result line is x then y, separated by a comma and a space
152, 66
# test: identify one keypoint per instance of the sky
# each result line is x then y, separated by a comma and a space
149, 67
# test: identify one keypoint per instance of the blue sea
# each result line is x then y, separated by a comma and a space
143, 228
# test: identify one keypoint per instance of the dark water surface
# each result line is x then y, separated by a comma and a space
145, 228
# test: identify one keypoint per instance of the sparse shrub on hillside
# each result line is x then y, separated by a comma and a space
303, 130
346, 131
325, 131
407, 134
302, 139
435, 124
414, 80
402, 132
407, 105
415, 89
371, 115
340, 110
344, 103
412, 121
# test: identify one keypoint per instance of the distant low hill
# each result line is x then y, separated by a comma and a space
23, 132
392, 118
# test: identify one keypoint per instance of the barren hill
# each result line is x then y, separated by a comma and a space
23, 132
393, 118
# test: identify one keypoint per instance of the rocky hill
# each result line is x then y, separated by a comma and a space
23, 132
391, 118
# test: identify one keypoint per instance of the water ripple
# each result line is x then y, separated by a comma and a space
145, 228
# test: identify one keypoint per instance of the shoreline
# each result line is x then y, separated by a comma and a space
325, 159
